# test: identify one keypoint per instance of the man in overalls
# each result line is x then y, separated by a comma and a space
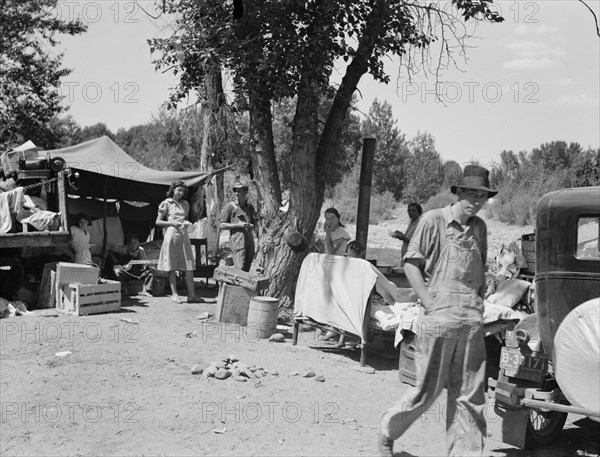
240, 219
445, 265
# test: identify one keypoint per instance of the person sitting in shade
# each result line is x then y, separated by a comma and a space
336, 236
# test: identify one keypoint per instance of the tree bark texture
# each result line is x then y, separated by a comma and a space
210, 113
311, 159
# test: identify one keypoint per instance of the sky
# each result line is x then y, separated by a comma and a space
532, 79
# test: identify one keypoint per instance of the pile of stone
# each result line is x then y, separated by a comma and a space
231, 367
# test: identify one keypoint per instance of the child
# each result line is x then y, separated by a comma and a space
355, 249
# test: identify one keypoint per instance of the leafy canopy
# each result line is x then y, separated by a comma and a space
278, 42
29, 72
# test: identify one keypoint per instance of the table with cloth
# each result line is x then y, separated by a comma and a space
335, 290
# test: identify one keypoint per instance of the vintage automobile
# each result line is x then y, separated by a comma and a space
550, 365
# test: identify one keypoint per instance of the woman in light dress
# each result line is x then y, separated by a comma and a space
176, 253
80, 240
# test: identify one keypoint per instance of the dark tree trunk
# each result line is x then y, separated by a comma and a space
311, 162
212, 106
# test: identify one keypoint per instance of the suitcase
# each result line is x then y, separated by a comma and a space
238, 277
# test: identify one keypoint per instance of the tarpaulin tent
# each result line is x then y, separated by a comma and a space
106, 171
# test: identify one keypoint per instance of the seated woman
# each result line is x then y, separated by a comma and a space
131, 251
122, 255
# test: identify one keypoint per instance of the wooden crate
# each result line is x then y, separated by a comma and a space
83, 299
47, 295
528, 251
67, 273
233, 303
407, 372
237, 277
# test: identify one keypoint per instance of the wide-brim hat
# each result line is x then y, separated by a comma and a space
475, 177
239, 185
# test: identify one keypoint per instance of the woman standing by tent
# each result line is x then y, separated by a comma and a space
176, 253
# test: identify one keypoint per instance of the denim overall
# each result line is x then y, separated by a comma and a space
450, 350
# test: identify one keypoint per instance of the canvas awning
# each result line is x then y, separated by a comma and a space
106, 171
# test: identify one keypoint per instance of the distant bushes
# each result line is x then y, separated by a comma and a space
344, 197
440, 200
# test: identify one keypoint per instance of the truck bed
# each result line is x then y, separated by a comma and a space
34, 239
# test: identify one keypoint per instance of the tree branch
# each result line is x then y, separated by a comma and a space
593, 14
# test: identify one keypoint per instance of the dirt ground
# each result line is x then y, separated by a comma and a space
125, 388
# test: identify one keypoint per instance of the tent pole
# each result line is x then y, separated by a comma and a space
104, 237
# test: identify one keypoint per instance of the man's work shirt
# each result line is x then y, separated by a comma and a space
233, 213
452, 260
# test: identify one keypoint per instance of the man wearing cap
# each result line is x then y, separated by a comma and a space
445, 264
240, 219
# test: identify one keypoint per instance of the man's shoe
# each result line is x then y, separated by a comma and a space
385, 446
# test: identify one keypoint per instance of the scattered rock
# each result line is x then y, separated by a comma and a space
277, 338
241, 379
309, 374
368, 370
320, 378
197, 369
211, 370
236, 372
274, 373
233, 359
218, 364
204, 316
293, 373
222, 373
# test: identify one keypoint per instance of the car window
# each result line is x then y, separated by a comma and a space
588, 238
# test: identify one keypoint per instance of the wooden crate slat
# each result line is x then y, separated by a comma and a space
82, 299
99, 298
86, 289
104, 308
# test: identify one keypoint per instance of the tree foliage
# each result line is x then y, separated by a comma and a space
424, 169
29, 72
290, 49
524, 177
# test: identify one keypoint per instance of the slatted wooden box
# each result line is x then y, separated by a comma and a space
67, 273
47, 295
407, 372
83, 299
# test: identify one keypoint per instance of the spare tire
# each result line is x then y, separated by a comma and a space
57, 164
576, 355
